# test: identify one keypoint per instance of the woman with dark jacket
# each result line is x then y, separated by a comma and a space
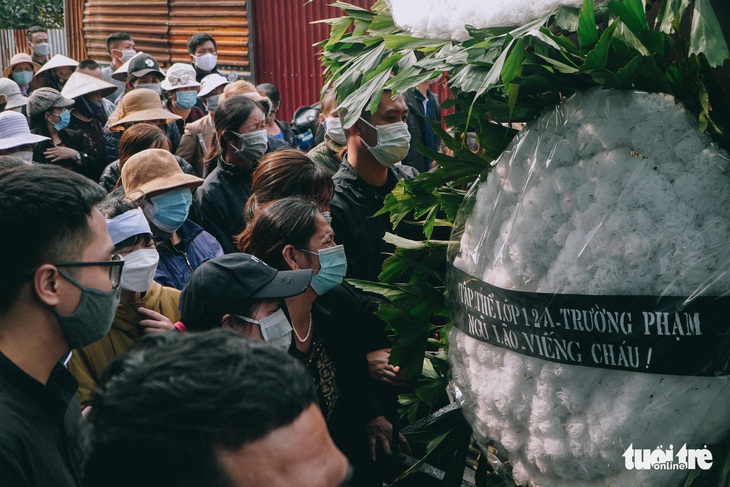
49, 116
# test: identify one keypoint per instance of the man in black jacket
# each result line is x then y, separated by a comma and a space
423, 105
375, 144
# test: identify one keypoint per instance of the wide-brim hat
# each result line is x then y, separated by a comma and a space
11, 89
14, 131
179, 75
153, 171
43, 99
139, 105
57, 61
80, 84
20, 58
210, 83
226, 284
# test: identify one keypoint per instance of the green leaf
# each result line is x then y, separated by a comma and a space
397, 42
632, 14
706, 34
587, 32
597, 57
567, 19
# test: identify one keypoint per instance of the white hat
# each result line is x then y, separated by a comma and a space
14, 131
11, 89
210, 83
57, 61
82, 84
20, 58
179, 75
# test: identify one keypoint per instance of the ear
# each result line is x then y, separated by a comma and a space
290, 257
356, 128
45, 284
226, 322
321, 118
30, 45
192, 58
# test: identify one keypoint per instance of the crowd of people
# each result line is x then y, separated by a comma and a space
173, 309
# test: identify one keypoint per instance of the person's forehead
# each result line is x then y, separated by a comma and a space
23, 67
389, 105
39, 36
256, 117
205, 46
126, 44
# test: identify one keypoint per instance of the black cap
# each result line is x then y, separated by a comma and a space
227, 284
144, 64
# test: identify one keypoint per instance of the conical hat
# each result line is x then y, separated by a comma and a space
83, 84
56, 62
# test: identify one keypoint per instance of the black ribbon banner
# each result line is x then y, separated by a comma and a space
659, 335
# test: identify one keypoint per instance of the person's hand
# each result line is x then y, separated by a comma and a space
381, 370
155, 322
380, 432
55, 154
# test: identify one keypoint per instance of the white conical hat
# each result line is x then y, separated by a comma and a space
83, 84
56, 62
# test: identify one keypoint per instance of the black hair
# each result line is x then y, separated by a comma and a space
198, 39
32, 30
89, 64
269, 91
44, 216
117, 36
283, 222
116, 204
173, 400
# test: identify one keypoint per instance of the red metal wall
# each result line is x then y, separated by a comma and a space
282, 37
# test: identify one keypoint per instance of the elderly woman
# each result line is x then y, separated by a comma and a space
49, 116
154, 180
181, 92
21, 70
293, 234
55, 73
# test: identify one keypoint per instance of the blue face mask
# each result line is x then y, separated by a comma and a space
332, 269
23, 77
169, 211
63, 123
186, 99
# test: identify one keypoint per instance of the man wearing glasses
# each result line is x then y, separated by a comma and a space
59, 289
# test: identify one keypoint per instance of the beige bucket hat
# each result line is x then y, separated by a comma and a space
154, 171
140, 105
20, 58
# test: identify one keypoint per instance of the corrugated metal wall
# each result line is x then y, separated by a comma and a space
13, 41
282, 38
146, 20
225, 20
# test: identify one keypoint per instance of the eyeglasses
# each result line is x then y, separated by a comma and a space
115, 268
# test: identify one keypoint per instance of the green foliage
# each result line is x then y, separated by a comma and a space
21, 14
498, 77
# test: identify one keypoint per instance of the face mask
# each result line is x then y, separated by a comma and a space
151, 86
26, 155
393, 143
206, 62
212, 102
333, 128
42, 49
328, 217
63, 123
170, 210
332, 269
253, 145
275, 328
127, 54
92, 319
186, 99
139, 269
23, 77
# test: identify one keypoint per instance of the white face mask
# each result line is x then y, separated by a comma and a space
151, 86
393, 143
333, 128
139, 269
26, 155
206, 62
275, 329
127, 54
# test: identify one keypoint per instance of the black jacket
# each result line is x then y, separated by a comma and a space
352, 208
416, 126
218, 204
87, 166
